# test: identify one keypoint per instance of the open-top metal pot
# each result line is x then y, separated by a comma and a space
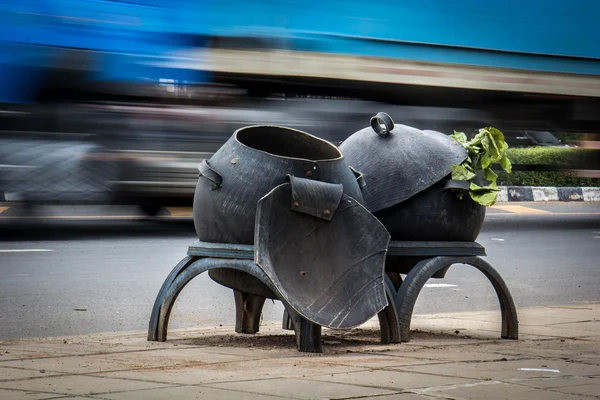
249, 165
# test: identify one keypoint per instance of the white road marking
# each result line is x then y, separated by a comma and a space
23, 250
438, 285
540, 369
497, 239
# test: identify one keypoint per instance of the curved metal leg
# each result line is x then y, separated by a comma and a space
395, 278
308, 334
153, 326
389, 326
286, 321
248, 309
169, 293
420, 274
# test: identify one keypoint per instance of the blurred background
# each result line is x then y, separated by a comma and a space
116, 102
107, 107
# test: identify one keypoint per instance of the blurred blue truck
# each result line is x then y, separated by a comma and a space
527, 61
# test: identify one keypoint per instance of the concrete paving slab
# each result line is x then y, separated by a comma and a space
74, 385
10, 374
449, 354
6, 394
23, 355
590, 327
554, 350
592, 389
303, 388
90, 344
486, 316
74, 398
592, 339
421, 336
579, 312
527, 315
555, 315
407, 396
501, 370
490, 330
570, 330
375, 360
392, 380
253, 351
46, 348
181, 356
30, 350
495, 390
568, 383
189, 392
73, 364
234, 371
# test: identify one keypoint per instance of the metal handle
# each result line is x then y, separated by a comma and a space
382, 124
210, 174
359, 178
453, 184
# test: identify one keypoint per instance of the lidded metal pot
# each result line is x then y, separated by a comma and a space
408, 185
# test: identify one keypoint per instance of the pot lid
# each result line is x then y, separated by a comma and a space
399, 161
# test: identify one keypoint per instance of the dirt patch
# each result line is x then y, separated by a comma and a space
334, 341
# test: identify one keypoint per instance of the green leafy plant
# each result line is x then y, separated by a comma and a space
485, 149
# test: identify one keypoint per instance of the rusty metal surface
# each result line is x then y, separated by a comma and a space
330, 272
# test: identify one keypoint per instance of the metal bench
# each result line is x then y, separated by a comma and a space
419, 260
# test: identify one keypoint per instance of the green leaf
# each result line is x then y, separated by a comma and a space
468, 165
484, 161
473, 187
496, 134
485, 198
490, 175
506, 164
460, 137
485, 149
461, 173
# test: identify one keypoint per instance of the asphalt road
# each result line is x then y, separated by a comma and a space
75, 270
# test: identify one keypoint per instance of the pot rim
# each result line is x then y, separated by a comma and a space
341, 155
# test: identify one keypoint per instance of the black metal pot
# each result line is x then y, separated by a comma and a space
248, 166
436, 213
408, 186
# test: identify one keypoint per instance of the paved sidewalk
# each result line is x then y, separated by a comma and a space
450, 356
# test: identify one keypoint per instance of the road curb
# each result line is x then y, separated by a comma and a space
539, 193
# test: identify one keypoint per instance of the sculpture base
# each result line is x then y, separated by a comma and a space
419, 260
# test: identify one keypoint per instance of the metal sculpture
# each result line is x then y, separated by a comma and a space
279, 215
323, 251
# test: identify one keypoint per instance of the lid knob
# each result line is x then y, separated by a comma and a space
382, 124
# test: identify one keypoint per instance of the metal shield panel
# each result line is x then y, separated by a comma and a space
329, 271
